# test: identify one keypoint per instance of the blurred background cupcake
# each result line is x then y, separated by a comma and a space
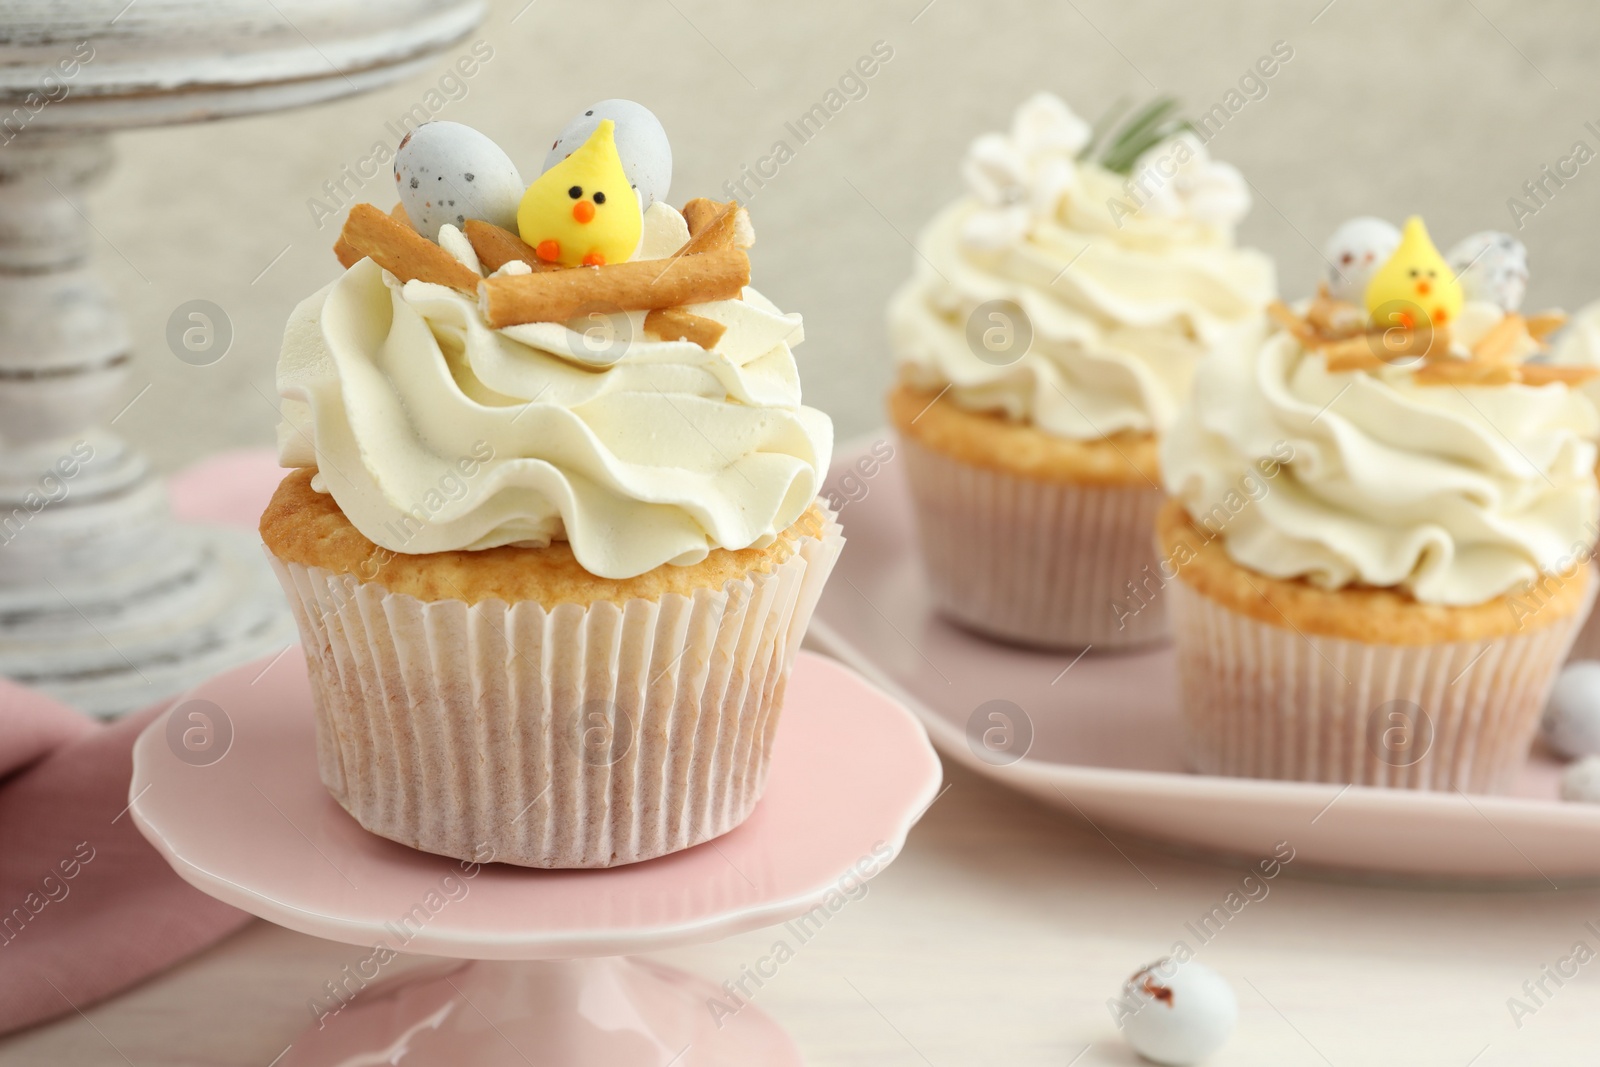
1045, 340
1381, 528
1579, 345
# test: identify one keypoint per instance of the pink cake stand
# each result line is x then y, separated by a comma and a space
238, 810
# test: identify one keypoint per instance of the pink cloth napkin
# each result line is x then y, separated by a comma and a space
87, 907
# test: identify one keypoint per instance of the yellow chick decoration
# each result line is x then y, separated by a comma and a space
1414, 279
582, 210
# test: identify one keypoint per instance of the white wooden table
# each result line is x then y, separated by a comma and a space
997, 939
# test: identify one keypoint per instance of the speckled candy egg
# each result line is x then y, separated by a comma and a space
1357, 249
1580, 782
447, 172
1572, 717
641, 142
1185, 1011
1493, 267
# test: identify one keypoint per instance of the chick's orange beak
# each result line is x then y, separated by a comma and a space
1424, 288
583, 211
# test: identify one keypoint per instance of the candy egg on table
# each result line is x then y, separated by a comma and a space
449, 173
1572, 715
641, 142
1493, 267
1581, 781
1357, 249
1185, 1011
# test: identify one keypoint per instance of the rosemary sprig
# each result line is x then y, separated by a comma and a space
1155, 122
1103, 126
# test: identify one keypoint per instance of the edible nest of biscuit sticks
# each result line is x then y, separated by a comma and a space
1349, 340
712, 265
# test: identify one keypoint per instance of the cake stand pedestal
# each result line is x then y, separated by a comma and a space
240, 813
105, 601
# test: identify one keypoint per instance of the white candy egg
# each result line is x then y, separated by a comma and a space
1581, 781
1358, 248
1572, 717
449, 173
641, 142
1492, 267
1185, 1011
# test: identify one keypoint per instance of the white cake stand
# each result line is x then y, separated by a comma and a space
239, 812
105, 601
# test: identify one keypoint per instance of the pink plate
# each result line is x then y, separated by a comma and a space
1104, 732
254, 827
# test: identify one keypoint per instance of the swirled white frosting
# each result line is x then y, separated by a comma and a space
434, 432
1579, 343
1454, 494
1124, 288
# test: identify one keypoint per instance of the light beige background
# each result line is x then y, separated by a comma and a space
998, 936
1432, 107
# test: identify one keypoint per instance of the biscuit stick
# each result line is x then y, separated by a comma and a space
400, 250
641, 285
676, 324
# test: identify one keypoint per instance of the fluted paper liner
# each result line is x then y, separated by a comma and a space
1265, 701
573, 737
1587, 645
1046, 563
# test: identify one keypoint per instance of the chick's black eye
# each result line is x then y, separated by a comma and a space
599, 198
575, 192
1413, 272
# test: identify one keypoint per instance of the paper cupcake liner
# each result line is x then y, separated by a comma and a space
1265, 701
573, 737
1587, 644
1052, 564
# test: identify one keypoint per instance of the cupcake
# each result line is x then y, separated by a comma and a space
1578, 344
1377, 548
1050, 330
552, 536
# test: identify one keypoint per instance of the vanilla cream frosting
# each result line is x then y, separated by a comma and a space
1579, 343
1125, 282
434, 432
1454, 494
